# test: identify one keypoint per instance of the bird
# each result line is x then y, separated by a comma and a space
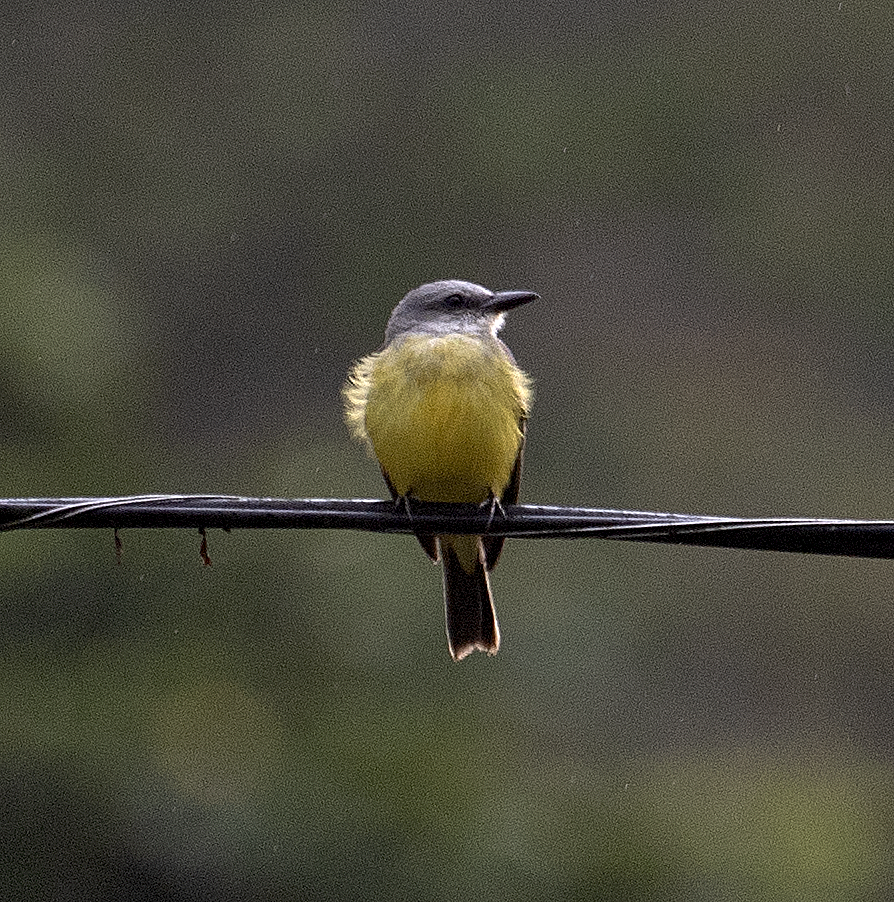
444, 407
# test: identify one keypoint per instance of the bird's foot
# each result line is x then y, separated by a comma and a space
493, 505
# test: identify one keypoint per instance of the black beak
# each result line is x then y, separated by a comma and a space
508, 300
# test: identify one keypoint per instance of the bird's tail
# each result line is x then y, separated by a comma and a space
471, 619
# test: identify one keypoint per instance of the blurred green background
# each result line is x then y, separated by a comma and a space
208, 212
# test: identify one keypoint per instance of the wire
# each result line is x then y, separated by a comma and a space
856, 538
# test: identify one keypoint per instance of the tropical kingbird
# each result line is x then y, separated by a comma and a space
443, 406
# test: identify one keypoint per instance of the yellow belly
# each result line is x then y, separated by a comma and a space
443, 413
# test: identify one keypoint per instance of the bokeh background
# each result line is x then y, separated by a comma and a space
208, 212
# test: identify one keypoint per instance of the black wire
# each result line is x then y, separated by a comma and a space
858, 538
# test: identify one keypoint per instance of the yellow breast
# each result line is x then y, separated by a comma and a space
442, 414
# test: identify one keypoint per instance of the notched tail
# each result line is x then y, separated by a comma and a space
471, 619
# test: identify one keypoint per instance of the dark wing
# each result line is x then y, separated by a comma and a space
494, 545
429, 543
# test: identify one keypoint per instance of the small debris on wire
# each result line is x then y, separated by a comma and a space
203, 548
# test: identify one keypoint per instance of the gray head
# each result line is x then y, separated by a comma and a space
452, 305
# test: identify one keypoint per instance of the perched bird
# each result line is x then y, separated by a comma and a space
443, 406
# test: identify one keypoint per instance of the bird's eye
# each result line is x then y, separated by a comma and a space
456, 300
